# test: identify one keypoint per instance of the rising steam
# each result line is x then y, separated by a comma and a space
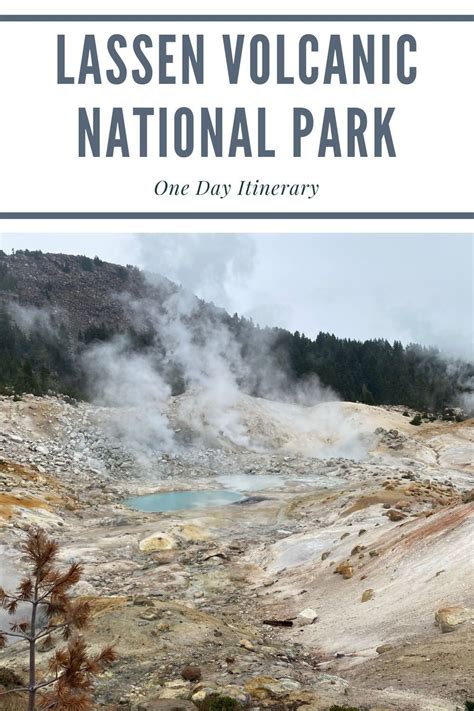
192, 342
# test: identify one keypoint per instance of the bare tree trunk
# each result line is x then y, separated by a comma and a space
32, 676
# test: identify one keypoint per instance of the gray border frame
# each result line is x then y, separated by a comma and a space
236, 215
236, 18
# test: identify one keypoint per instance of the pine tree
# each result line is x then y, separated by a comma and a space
53, 613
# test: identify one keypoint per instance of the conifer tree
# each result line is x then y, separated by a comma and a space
53, 614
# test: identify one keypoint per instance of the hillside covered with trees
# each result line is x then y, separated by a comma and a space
53, 307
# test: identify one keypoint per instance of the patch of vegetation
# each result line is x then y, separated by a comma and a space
97, 333
86, 263
417, 421
9, 679
469, 706
122, 272
36, 362
222, 703
7, 281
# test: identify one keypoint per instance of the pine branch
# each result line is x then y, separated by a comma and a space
53, 628
18, 689
16, 634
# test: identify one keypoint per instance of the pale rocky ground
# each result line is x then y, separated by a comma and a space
327, 490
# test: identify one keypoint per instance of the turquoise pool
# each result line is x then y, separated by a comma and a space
180, 500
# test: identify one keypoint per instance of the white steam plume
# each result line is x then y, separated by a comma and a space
128, 383
210, 265
192, 339
31, 319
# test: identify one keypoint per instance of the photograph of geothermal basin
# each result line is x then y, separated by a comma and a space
259, 448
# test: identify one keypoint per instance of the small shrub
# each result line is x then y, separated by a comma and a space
10, 700
9, 679
122, 272
469, 705
222, 703
416, 420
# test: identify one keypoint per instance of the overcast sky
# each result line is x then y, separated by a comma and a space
396, 286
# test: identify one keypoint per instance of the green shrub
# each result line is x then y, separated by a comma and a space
222, 703
85, 263
416, 420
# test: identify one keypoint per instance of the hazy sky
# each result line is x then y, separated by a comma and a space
396, 286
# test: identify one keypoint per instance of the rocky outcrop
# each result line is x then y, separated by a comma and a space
345, 569
157, 542
448, 618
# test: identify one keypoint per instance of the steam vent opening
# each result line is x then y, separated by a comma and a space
181, 500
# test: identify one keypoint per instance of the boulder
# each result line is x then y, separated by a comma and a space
306, 617
176, 689
193, 532
345, 569
203, 696
191, 673
84, 589
266, 687
150, 614
246, 644
157, 542
448, 618
468, 497
160, 628
367, 595
395, 515
382, 648
165, 557
143, 601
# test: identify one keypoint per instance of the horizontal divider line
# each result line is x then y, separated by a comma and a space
236, 18
236, 215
